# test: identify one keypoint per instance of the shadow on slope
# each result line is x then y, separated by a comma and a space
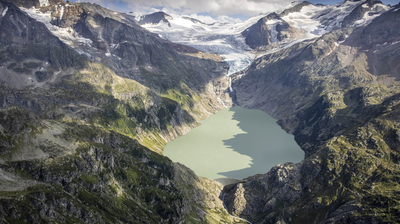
265, 142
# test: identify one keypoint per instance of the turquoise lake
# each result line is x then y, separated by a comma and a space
235, 142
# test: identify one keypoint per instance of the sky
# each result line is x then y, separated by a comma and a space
206, 10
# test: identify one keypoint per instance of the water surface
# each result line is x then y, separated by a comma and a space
235, 142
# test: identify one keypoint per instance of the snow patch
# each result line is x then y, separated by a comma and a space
230, 84
395, 42
66, 35
340, 42
375, 11
61, 12
83, 53
114, 46
138, 17
272, 27
108, 54
4, 12
219, 99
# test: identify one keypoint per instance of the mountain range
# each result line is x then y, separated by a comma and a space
89, 97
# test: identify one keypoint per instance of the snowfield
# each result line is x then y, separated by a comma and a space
66, 35
226, 39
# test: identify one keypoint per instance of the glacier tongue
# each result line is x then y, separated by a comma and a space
218, 38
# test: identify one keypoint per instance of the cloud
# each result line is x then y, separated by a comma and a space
214, 8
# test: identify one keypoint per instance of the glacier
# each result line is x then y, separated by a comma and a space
225, 39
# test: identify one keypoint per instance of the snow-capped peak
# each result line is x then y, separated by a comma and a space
306, 20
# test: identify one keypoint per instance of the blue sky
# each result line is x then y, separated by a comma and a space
206, 10
329, 2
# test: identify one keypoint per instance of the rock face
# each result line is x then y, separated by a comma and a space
271, 28
338, 94
81, 142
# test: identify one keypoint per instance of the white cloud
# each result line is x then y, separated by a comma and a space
214, 8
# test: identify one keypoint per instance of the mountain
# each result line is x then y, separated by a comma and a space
89, 97
80, 140
268, 29
338, 95
239, 44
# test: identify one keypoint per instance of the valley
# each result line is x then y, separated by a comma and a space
89, 98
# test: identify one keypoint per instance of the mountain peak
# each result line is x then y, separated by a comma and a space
295, 8
155, 18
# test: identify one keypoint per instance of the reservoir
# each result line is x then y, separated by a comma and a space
236, 143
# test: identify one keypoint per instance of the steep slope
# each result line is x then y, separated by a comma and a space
116, 41
174, 71
338, 95
80, 144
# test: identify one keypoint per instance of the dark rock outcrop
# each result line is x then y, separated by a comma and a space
155, 18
